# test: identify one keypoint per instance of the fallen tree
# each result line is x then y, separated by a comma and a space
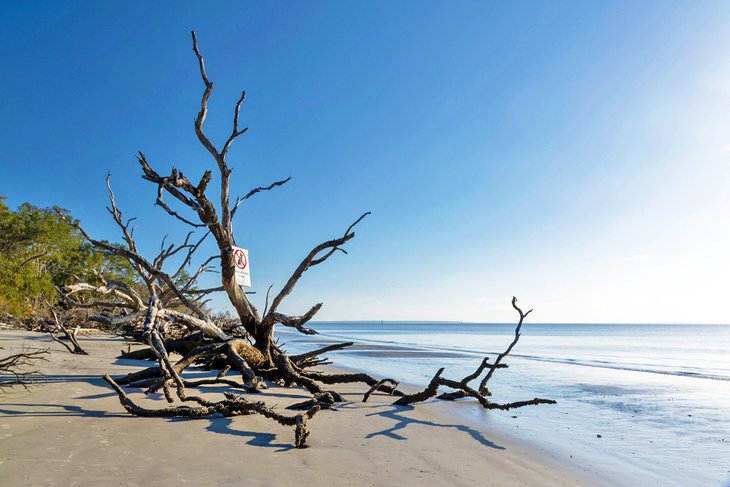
172, 317
15, 368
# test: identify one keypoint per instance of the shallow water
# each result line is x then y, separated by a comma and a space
658, 395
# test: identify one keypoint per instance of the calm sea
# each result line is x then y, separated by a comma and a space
658, 395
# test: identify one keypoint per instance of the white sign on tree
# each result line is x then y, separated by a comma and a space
243, 268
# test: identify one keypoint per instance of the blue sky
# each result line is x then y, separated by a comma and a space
574, 154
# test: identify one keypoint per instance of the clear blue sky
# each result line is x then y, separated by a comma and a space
574, 154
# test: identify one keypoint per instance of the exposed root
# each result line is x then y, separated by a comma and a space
351, 378
239, 354
437, 381
182, 346
290, 375
377, 386
233, 405
424, 395
324, 401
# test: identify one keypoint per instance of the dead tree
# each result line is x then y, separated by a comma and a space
462, 387
252, 353
75, 346
14, 368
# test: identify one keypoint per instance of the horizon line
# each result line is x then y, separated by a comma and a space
527, 323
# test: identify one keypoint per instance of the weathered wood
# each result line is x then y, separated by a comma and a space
291, 375
349, 378
232, 406
424, 395
71, 337
377, 386
329, 348
14, 368
182, 346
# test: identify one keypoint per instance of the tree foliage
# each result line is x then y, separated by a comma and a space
39, 252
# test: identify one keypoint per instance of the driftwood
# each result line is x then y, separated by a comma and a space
75, 346
378, 385
14, 368
233, 405
181, 345
462, 388
167, 298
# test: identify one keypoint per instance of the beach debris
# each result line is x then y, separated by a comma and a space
14, 368
166, 310
377, 385
75, 347
462, 388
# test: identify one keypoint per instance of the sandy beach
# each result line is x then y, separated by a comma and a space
70, 429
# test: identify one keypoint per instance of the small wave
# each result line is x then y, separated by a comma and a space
601, 364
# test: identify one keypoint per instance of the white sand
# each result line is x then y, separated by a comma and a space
71, 430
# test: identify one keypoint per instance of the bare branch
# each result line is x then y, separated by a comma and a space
14, 368
114, 287
319, 351
309, 261
198, 292
71, 337
143, 263
266, 305
206, 326
427, 393
377, 386
235, 133
159, 202
119, 320
256, 190
203, 102
348, 378
189, 256
483, 385
296, 321
128, 238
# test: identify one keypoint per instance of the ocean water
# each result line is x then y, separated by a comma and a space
637, 404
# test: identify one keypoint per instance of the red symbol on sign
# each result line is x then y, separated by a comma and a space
239, 258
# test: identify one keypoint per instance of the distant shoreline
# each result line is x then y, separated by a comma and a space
511, 323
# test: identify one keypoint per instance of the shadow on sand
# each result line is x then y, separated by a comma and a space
57, 410
223, 425
395, 413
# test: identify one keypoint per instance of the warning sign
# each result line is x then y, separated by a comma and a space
243, 269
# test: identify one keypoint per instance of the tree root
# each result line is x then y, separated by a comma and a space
437, 381
290, 375
233, 405
325, 401
347, 378
377, 385
425, 394
182, 346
